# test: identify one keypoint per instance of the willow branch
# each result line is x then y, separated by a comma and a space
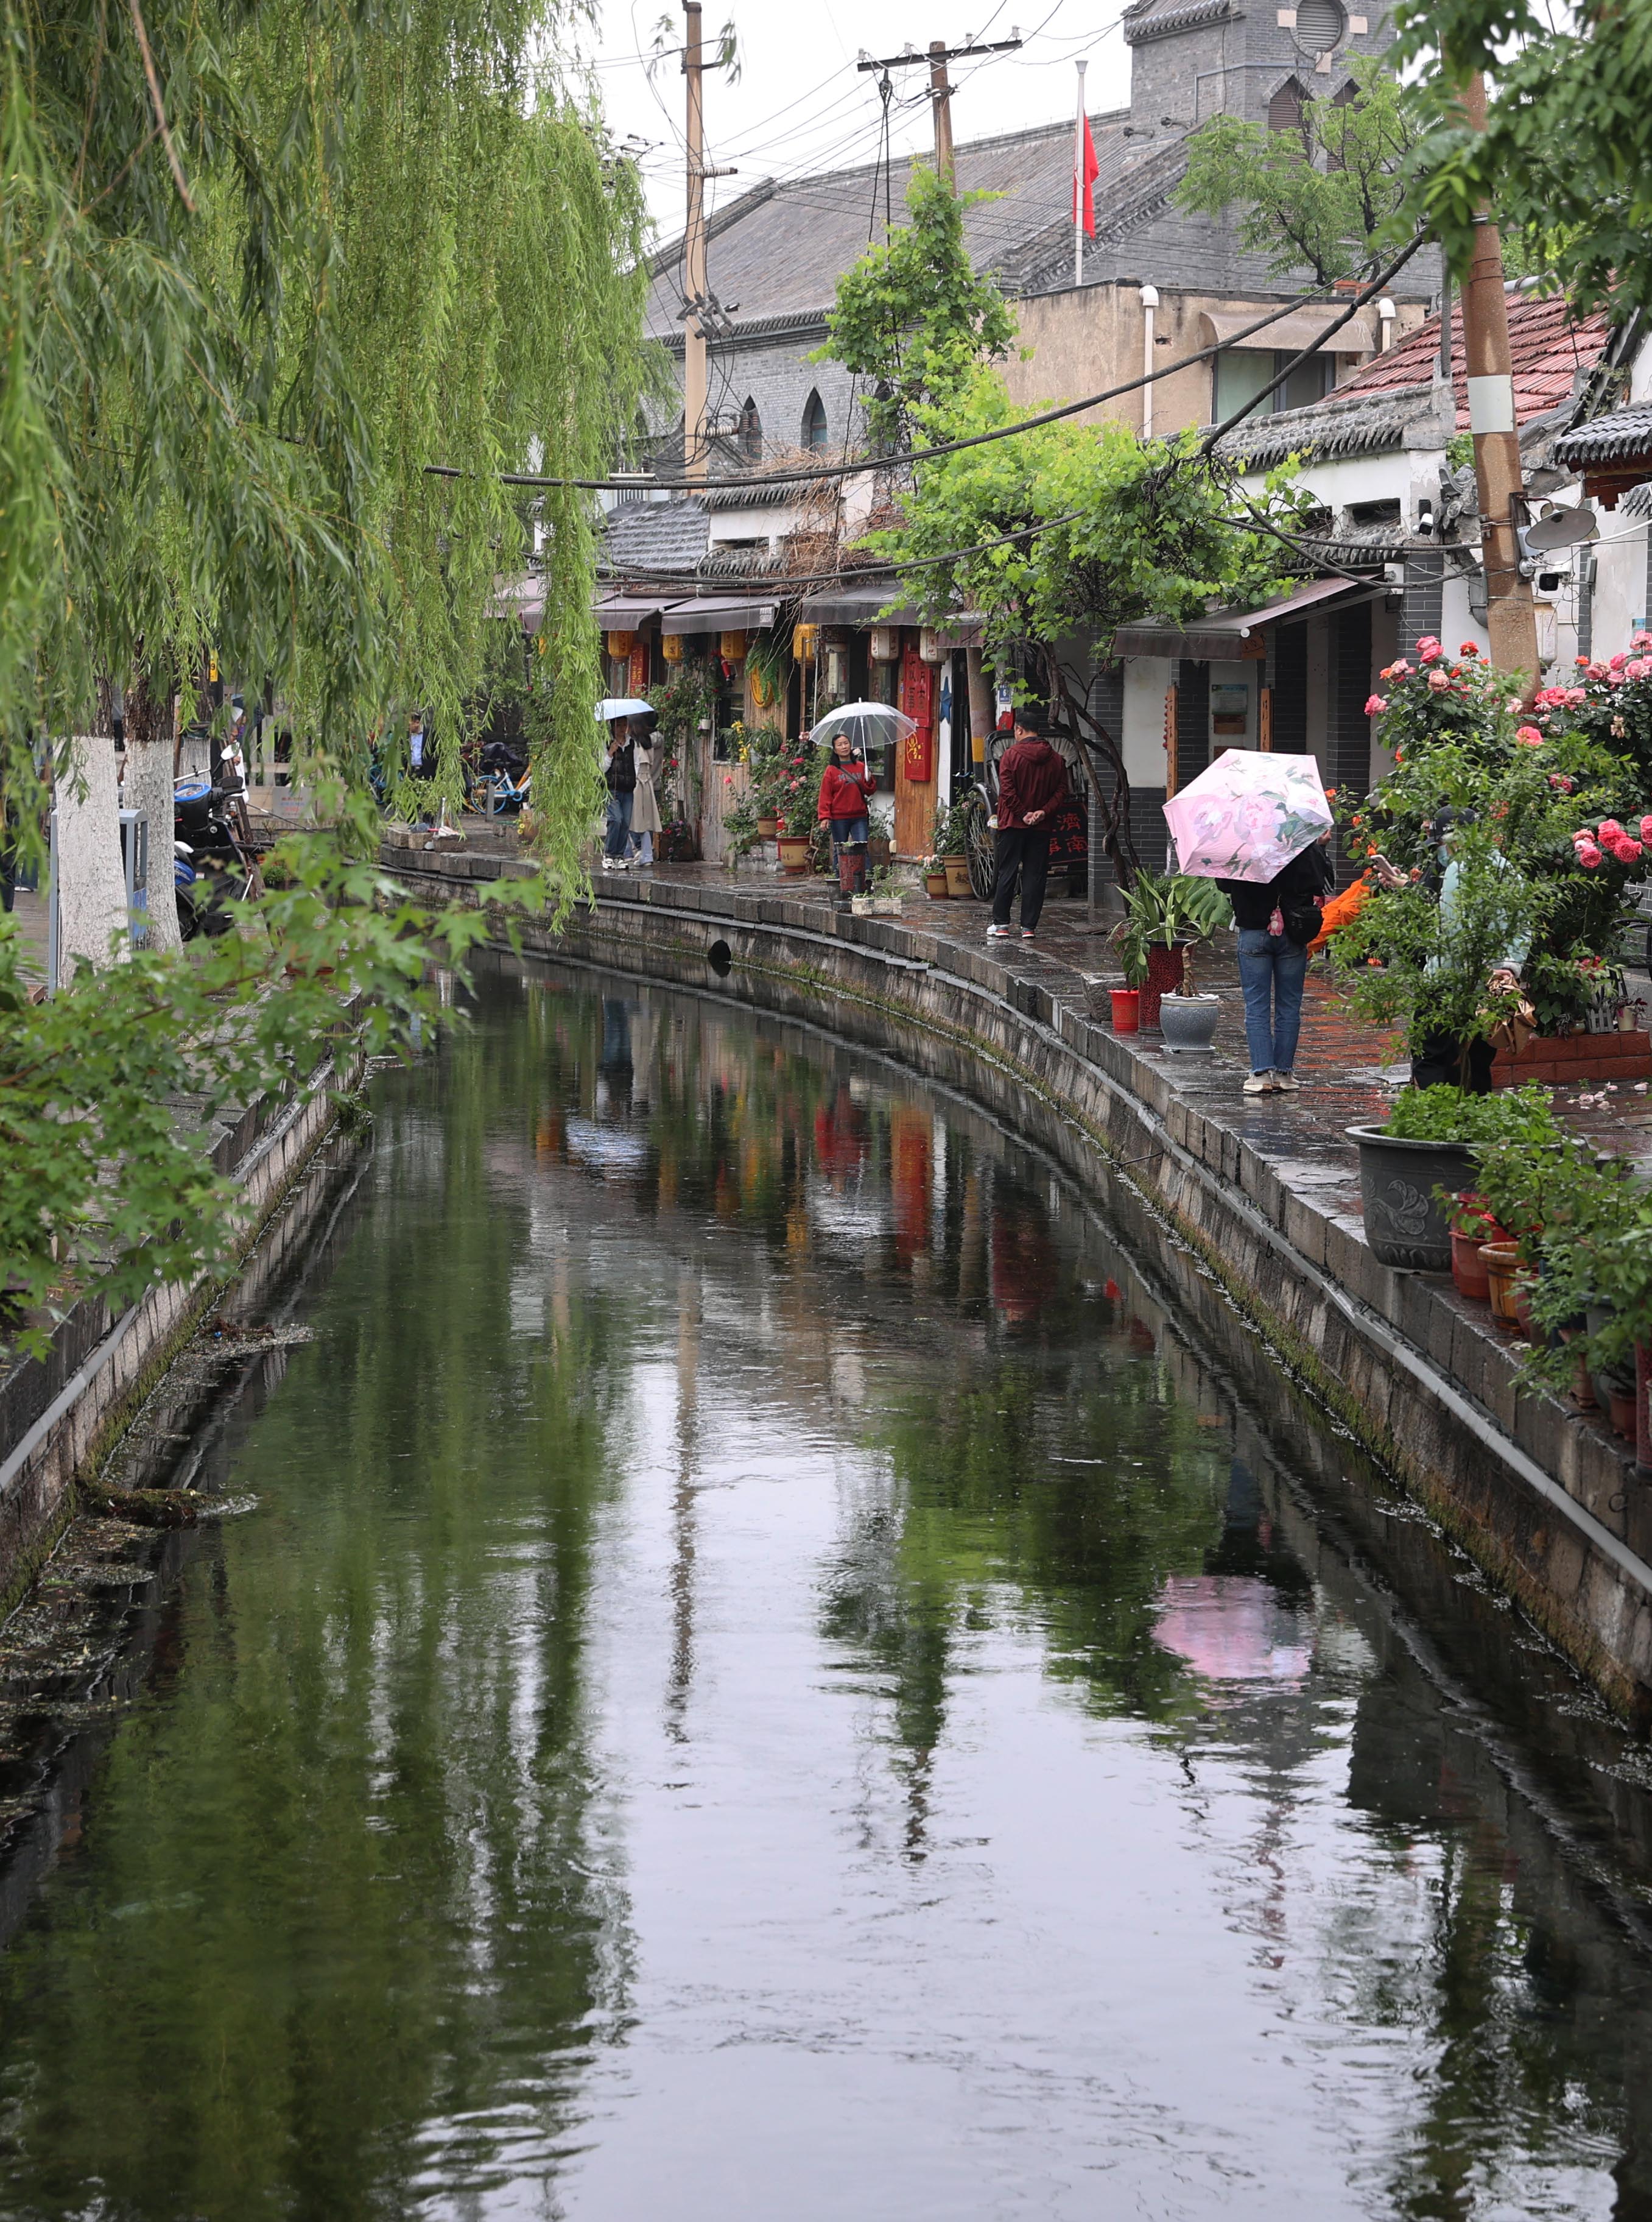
160, 113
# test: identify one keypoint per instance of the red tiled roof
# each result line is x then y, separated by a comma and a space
1549, 349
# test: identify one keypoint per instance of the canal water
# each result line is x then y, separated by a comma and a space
771, 1678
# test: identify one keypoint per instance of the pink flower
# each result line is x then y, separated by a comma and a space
1645, 828
1609, 829
1530, 735
1642, 640
1617, 662
1399, 670
1641, 669
1626, 851
1574, 697
1588, 856
1597, 671
1614, 679
1426, 643
1375, 706
1432, 653
1439, 682
1551, 698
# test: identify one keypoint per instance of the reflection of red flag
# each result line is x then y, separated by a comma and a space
1091, 169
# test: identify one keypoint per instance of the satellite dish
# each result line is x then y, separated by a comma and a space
1562, 528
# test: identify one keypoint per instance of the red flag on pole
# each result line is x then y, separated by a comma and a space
1085, 169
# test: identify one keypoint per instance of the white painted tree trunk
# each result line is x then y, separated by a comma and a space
91, 885
149, 788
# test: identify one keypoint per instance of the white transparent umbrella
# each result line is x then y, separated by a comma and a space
621, 706
868, 724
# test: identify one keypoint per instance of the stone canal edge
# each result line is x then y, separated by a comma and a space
1542, 1498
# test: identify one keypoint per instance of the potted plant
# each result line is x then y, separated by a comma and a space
934, 878
1166, 915
935, 864
881, 842
1414, 1168
794, 850
740, 832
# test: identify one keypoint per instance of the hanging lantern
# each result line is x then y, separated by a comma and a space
671, 647
928, 646
619, 643
885, 643
732, 646
805, 640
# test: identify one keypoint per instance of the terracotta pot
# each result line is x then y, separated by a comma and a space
958, 885
767, 828
1583, 1388
1469, 1267
1127, 1010
1524, 1287
1623, 1413
1501, 1261
1164, 978
935, 886
794, 855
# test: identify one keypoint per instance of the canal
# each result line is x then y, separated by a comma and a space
769, 1668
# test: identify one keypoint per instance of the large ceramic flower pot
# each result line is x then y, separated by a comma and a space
935, 886
794, 855
958, 885
1188, 1022
1405, 1223
1164, 978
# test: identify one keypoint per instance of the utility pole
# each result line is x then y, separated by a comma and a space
939, 55
1510, 618
694, 271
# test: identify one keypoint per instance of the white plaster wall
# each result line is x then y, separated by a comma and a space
1619, 583
1457, 622
1410, 473
1146, 678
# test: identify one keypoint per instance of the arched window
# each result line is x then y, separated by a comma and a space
1284, 109
814, 422
751, 432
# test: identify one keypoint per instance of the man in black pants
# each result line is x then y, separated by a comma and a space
1032, 781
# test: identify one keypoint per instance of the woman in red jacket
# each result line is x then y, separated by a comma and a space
845, 789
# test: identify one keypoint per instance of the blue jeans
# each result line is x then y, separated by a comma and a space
1271, 971
618, 839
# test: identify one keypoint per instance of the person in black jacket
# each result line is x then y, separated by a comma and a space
1276, 922
621, 775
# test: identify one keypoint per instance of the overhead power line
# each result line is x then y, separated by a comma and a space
813, 474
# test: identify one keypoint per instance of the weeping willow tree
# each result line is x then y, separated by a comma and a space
260, 268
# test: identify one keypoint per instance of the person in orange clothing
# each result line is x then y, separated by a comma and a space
845, 790
1340, 911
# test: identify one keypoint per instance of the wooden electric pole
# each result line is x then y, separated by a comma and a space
939, 55
694, 270
1511, 621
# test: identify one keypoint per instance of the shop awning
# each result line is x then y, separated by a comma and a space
623, 611
1300, 329
854, 605
1232, 635
719, 613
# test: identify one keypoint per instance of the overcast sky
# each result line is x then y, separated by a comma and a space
801, 105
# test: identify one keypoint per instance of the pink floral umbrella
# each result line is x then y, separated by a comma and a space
1247, 815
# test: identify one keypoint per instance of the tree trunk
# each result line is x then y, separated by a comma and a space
91, 885
149, 788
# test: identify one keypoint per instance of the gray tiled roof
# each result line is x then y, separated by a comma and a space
1354, 424
1608, 439
1159, 19
779, 249
657, 535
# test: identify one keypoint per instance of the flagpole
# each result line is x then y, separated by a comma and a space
1078, 183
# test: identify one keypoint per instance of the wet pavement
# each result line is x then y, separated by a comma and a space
652, 1743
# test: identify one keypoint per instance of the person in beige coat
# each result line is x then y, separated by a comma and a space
645, 803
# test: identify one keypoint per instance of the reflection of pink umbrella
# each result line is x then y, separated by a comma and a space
1248, 815
1228, 1629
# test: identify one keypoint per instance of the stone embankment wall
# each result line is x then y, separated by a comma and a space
61, 1414
1542, 1500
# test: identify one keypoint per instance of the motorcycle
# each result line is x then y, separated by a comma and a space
212, 864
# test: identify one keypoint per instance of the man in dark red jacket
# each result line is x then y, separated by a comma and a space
1032, 783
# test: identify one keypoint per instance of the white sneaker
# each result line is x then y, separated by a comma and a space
1259, 1084
1283, 1081
998, 932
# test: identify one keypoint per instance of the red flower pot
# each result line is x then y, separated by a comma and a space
1469, 1267
1623, 1403
1164, 978
1127, 1010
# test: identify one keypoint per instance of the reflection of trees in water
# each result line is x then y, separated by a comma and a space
342, 1922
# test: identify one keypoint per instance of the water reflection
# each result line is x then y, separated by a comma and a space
771, 1678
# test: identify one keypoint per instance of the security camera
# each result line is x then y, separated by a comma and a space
1425, 516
